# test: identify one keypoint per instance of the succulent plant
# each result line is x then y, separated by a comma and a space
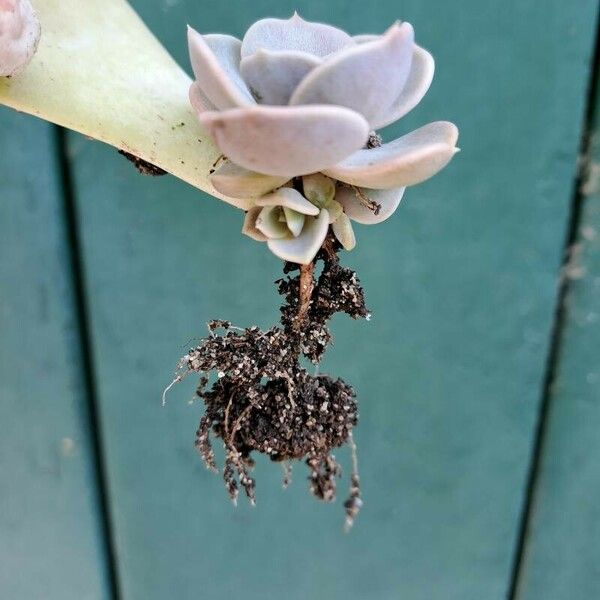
19, 35
297, 104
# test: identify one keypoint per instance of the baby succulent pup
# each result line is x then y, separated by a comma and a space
19, 35
294, 108
294, 99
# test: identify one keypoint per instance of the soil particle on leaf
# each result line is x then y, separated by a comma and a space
143, 166
374, 141
258, 398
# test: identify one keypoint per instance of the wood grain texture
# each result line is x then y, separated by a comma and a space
50, 540
562, 558
462, 284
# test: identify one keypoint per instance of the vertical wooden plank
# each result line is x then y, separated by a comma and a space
462, 283
50, 538
562, 554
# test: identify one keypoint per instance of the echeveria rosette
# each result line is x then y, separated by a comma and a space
19, 35
295, 104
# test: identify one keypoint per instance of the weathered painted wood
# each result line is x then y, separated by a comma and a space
462, 283
562, 558
50, 540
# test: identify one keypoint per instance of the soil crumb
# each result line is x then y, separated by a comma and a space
258, 397
144, 167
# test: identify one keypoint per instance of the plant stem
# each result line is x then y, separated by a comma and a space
307, 284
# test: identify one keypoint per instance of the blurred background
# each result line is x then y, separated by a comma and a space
478, 376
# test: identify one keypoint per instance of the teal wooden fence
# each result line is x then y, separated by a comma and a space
478, 376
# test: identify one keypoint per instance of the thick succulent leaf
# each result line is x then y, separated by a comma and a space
215, 60
235, 181
134, 96
294, 34
408, 160
303, 249
342, 229
417, 84
335, 209
268, 222
365, 77
388, 201
318, 188
199, 100
249, 226
365, 37
289, 198
273, 76
287, 141
19, 35
294, 220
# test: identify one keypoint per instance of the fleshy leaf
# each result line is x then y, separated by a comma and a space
269, 223
303, 249
249, 226
388, 201
342, 229
365, 37
134, 96
365, 77
237, 182
417, 84
294, 220
318, 188
273, 76
294, 34
199, 100
408, 160
286, 140
215, 60
335, 209
289, 198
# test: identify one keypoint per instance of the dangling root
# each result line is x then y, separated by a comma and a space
263, 400
354, 502
203, 444
287, 474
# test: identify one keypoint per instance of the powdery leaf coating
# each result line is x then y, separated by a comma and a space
198, 99
273, 76
19, 35
418, 82
409, 160
294, 34
286, 141
289, 198
302, 249
288, 65
364, 78
296, 99
216, 63
386, 200
237, 182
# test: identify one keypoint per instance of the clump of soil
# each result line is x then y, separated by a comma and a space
259, 398
143, 166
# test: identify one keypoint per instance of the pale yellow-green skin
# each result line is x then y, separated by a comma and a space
100, 71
